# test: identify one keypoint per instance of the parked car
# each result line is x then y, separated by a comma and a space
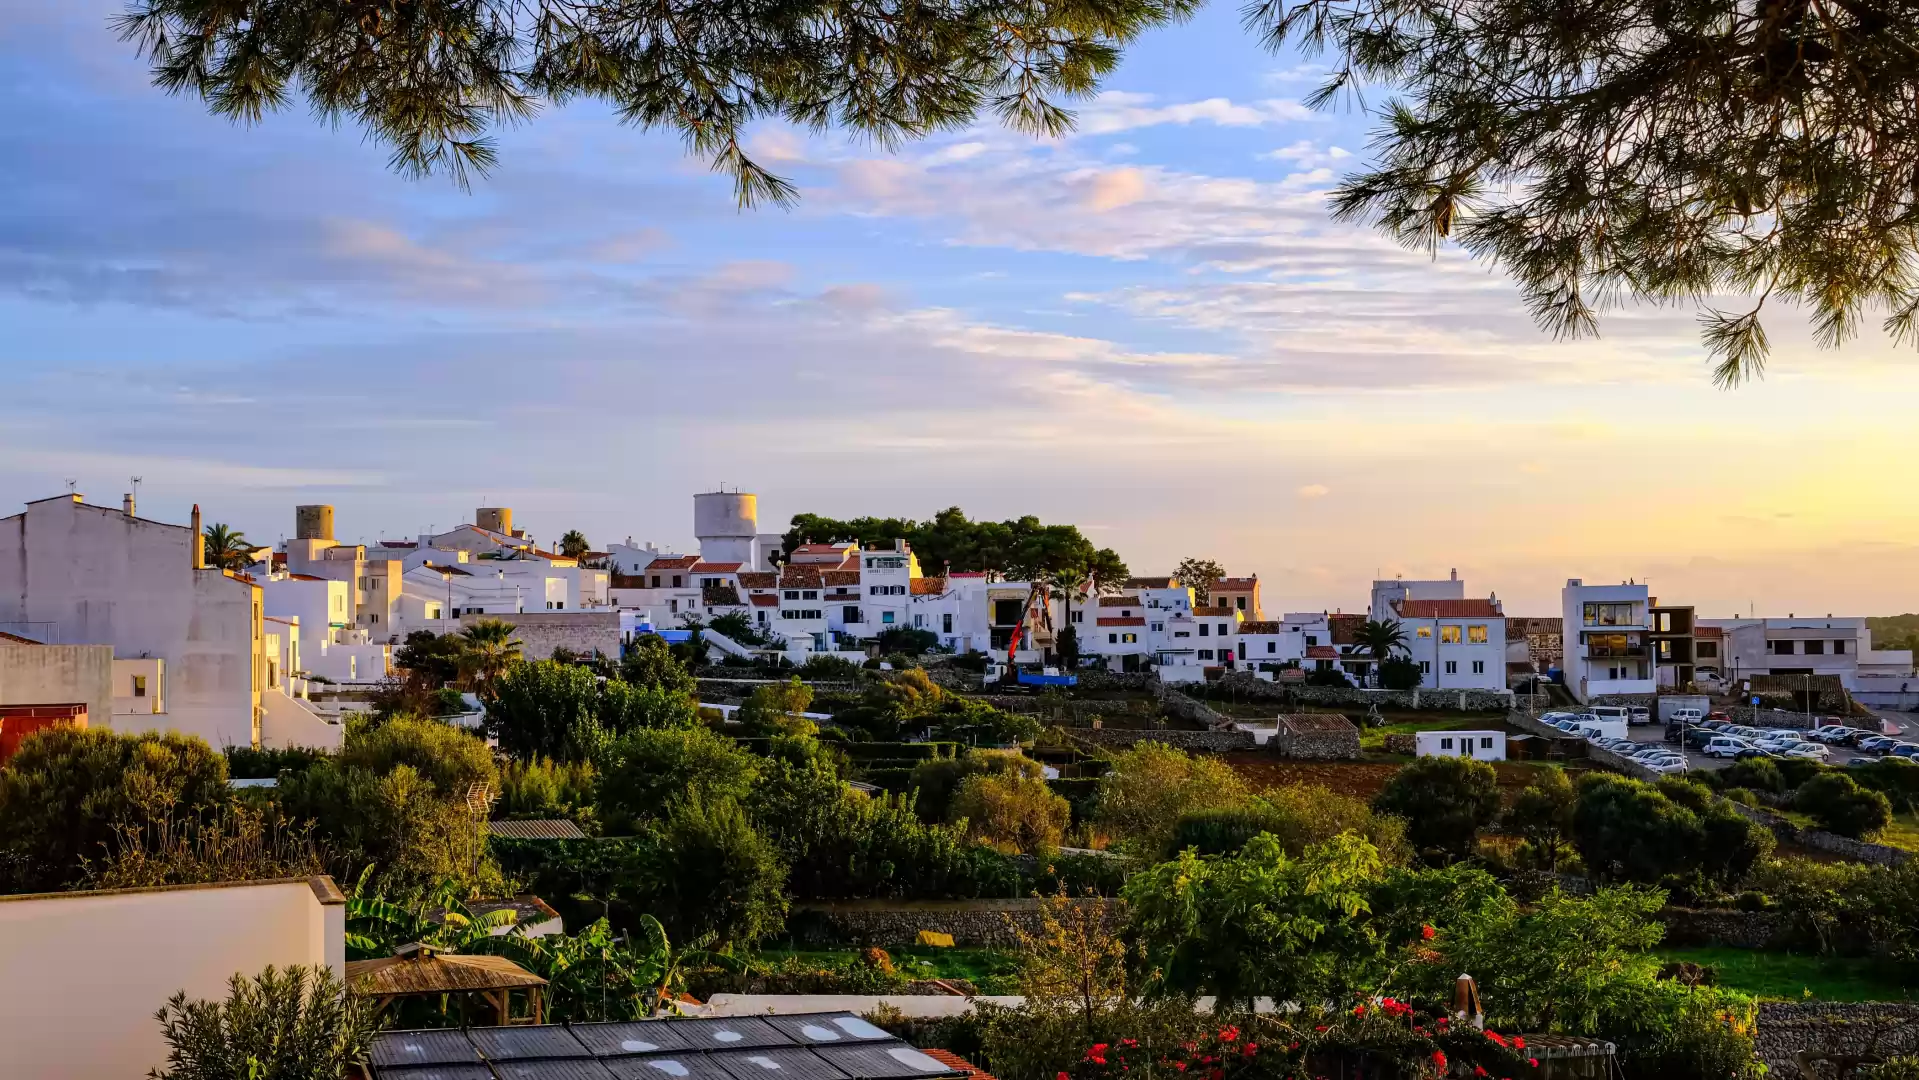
1727, 746
1697, 738
1719, 716
1906, 750
1807, 751
1751, 752
1876, 744
1686, 716
1715, 725
1554, 717
1638, 714
1833, 734
1669, 765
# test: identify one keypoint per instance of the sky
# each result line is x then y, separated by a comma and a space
1149, 328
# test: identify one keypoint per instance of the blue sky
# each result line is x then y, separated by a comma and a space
1149, 328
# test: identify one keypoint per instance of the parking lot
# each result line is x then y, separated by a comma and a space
1656, 733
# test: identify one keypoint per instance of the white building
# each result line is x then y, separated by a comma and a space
1479, 745
1387, 594
71, 573
1605, 639
1459, 644
1813, 645
1269, 645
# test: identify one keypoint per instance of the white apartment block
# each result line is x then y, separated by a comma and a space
1605, 639
1813, 645
1459, 644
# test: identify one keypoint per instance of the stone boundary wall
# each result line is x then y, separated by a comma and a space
1180, 707
1787, 1029
1726, 927
1820, 840
1202, 742
1596, 755
1245, 686
891, 924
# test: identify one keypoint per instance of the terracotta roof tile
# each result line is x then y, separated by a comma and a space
716, 567
1119, 601
958, 1063
968, 574
1259, 628
1448, 609
1709, 633
1122, 622
1221, 612
759, 579
839, 577
929, 586
1345, 628
1236, 584
761, 599
800, 577
674, 562
1321, 652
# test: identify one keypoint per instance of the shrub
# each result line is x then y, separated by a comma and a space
1399, 673
712, 877
1629, 831
246, 763
67, 790
1841, 806
649, 663
544, 709
624, 706
1149, 787
644, 773
1332, 677
297, 1024
935, 782
1298, 816
1013, 813
905, 639
1444, 801
399, 823
1895, 778
447, 757
1759, 774
775, 709
544, 788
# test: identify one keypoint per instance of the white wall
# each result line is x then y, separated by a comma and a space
86, 971
1481, 745
59, 675
96, 576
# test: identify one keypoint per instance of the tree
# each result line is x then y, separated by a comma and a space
573, 544
649, 661
227, 549
1381, 638
1074, 958
906, 639
1148, 788
1629, 831
1839, 805
936, 780
1445, 801
1328, 676
735, 626
1021, 548
1601, 151
714, 877
1013, 813
777, 708
645, 773
297, 1024
544, 709
1199, 575
67, 791
1296, 815
1543, 814
399, 823
488, 648
624, 707
1400, 673
433, 658
450, 759
1259, 923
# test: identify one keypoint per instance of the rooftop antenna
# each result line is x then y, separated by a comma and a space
72, 485
135, 480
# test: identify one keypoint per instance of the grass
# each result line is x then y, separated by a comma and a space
1902, 833
992, 970
1792, 977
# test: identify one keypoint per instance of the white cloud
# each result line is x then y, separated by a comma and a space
1114, 111
1313, 491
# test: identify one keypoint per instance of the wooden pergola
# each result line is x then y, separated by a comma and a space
419, 971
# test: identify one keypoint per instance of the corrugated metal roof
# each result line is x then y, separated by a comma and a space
777, 1063
730, 1033
422, 1048
512, 1043
550, 829
689, 1066
882, 1061
635, 1037
475, 1071
581, 1068
819, 1028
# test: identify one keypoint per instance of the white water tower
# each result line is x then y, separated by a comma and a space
725, 523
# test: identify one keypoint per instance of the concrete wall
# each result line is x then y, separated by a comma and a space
86, 971
94, 576
287, 721
59, 675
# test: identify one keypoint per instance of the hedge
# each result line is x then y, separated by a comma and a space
900, 751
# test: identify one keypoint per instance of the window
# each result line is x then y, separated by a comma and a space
1241, 602
1609, 615
919, 622
656, 581
1312, 639
1272, 646
1449, 634
1445, 744
1815, 648
139, 686
1485, 744
1839, 647
791, 594
1423, 632
549, 605
850, 614
810, 594
799, 613
872, 590
1452, 667
1707, 650
946, 624
1476, 635
1205, 654
1079, 616
1182, 633
1202, 629
677, 578
1479, 667
1128, 639
886, 617
373, 617
673, 605
1425, 667
1112, 639
1157, 627
432, 611
1781, 648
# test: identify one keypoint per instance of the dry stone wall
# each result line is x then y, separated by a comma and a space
890, 924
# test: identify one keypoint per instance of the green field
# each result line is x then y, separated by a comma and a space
1784, 976
992, 970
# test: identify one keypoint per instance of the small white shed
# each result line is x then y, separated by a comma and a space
1483, 745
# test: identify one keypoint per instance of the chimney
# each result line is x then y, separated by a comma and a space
1455, 573
126, 504
199, 541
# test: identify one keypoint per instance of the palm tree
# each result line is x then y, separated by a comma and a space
1381, 637
487, 648
227, 549
573, 545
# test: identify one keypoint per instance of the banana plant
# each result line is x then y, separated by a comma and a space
377, 927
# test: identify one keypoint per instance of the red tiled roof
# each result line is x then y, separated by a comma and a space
716, 567
929, 586
968, 574
1447, 609
306, 577
1221, 612
1259, 628
674, 562
279, 558
958, 1063
1122, 622
1235, 584
1119, 601
800, 577
1345, 628
1321, 652
761, 599
840, 577
1710, 633
759, 579
1149, 583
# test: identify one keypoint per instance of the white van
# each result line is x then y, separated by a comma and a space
1610, 713
1686, 716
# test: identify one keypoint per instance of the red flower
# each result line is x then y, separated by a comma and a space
1228, 1034
1359, 1010
1129, 1042
1249, 1050
1292, 1046
1479, 1070
1427, 932
1321, 1027
1439, 1060
1534, 1062
1495, 1037
1098, 1048
1180, 1065
1519, 1042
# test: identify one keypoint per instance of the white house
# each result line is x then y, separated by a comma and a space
1811, 645
1458, 644
1480, 745
1604, 639
1389, 593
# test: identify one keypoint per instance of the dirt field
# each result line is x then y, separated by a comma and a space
1360, 779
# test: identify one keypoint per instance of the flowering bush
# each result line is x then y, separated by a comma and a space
1383, 1038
